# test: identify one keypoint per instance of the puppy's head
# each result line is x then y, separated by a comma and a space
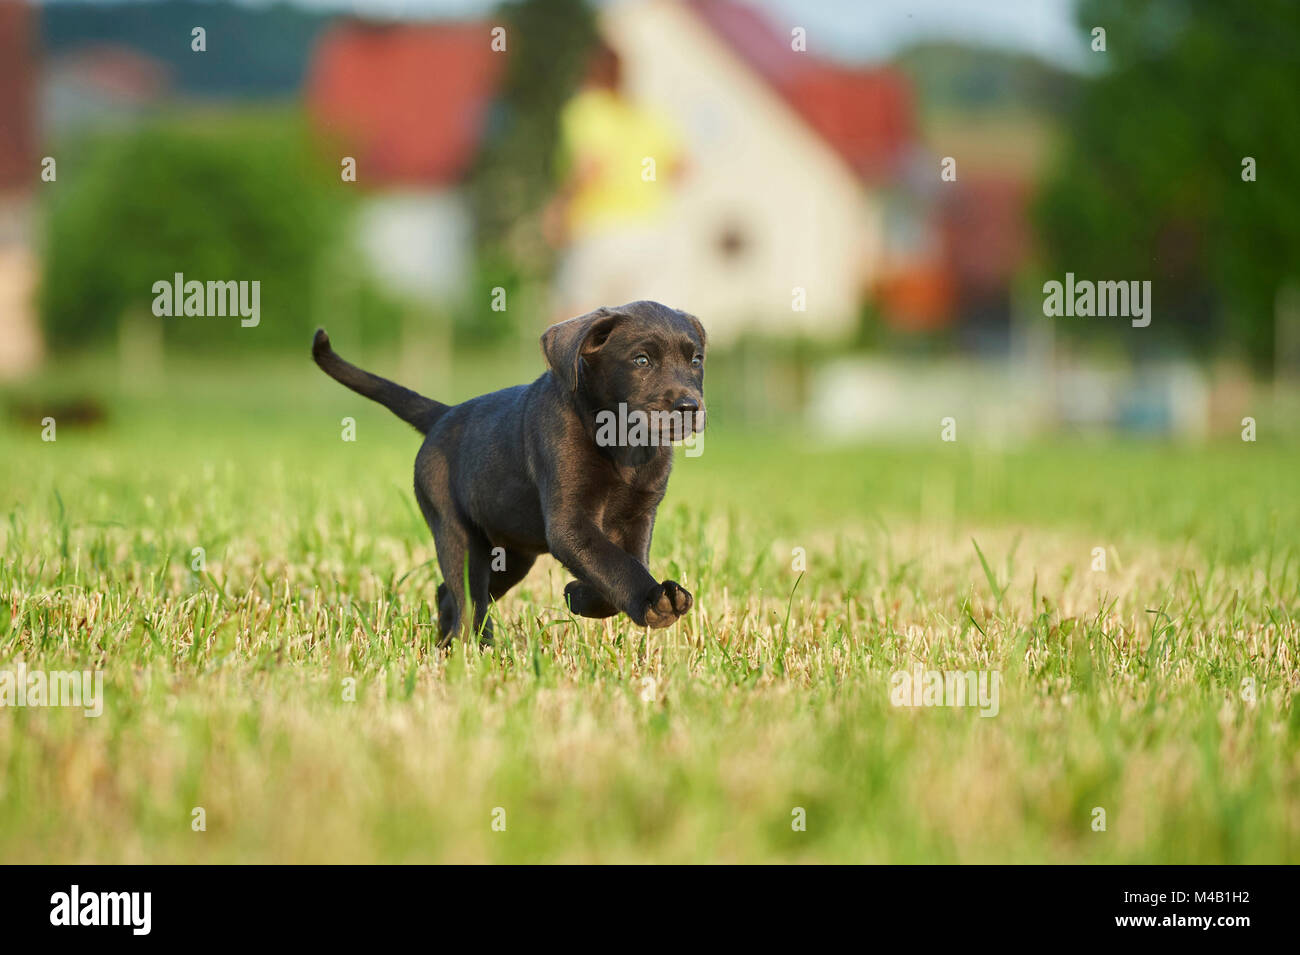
643, 361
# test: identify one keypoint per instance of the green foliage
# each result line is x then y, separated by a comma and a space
515, 175
1149, 185
227, 200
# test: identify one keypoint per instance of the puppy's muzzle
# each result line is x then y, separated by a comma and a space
687, 417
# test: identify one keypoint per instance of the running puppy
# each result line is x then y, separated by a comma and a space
530, 470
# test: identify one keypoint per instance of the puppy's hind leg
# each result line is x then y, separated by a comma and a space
463, 555
449, 602
447, 613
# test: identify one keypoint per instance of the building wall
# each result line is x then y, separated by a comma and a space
757, 173
17, 94
21, 348
418, 241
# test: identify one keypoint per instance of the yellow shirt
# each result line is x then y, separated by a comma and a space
604, 142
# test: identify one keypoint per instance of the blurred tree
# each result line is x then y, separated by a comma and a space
548, 42
1150, 184
233, 200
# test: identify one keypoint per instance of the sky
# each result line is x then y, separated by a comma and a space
875, 29
854, 30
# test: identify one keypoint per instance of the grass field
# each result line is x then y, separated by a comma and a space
1159, 690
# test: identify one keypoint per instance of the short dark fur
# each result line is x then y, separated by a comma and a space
520, 468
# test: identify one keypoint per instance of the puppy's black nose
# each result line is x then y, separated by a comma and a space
686, 405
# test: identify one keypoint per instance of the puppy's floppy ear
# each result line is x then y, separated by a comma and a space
704, 339
565, 344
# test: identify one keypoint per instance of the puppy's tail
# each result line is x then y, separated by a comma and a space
416, 410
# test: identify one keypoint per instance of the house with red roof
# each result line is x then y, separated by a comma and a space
776, 223
780, 217
20, 341
407, 103
100, 86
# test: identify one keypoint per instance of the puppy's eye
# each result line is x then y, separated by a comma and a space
641, 361
697, 362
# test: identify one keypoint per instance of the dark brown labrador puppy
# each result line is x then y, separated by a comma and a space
574, 464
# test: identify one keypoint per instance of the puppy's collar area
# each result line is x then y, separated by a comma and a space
621, 455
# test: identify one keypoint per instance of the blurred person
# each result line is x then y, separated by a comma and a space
607, 215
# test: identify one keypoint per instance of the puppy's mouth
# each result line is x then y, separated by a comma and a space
647, 427
678, 425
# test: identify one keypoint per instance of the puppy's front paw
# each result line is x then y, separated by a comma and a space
586, 601
668, 601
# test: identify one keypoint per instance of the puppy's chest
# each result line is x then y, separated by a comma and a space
622, 505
